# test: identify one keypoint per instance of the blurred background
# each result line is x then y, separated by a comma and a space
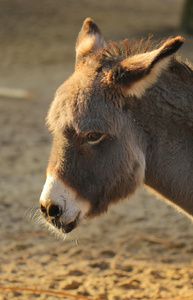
142, 249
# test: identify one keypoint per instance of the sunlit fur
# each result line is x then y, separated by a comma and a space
140, 97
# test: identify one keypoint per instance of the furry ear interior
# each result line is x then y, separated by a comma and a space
89, 39
139, 72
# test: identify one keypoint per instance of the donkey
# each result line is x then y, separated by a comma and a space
124, 118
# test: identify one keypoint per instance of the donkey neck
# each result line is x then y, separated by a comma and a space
166, 116
169, 166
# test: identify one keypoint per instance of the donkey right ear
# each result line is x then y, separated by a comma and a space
139, 72
90, 39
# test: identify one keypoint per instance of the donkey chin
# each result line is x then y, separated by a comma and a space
60, 205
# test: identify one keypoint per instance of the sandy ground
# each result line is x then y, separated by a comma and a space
142, 248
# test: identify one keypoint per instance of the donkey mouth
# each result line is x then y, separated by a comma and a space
66, 228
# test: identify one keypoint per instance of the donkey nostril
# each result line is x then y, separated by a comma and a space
54, 210
43, 209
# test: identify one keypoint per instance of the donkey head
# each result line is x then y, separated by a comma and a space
97, 155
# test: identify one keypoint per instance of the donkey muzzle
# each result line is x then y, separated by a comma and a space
53, 214
60, 205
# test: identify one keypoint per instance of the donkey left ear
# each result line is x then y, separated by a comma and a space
137, 73
89, 39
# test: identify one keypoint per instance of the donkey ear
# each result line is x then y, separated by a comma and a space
90, 39
139, 72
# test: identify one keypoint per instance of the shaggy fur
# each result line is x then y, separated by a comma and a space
142, 101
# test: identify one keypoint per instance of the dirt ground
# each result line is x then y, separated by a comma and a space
142, 248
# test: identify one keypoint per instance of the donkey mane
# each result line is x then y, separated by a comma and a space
126, 48
114, 52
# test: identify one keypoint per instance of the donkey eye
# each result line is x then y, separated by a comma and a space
94, 137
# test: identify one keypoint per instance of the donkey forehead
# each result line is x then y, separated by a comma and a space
83, 102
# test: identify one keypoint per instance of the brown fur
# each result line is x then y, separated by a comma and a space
142, 101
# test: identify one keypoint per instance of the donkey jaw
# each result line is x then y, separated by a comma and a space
60, 206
